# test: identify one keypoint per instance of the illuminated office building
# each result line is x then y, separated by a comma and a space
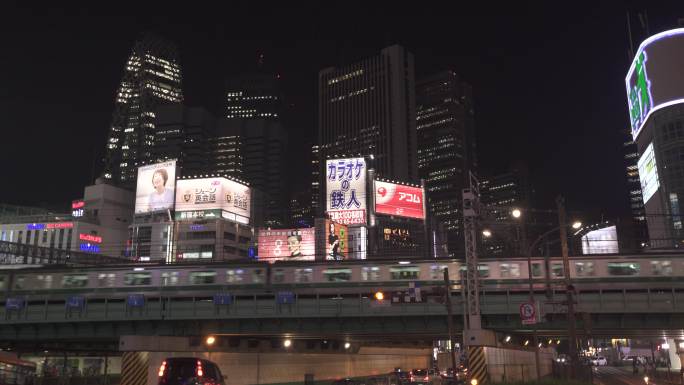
446, 149
368, 108
151, 77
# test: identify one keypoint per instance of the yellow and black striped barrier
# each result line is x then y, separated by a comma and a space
477, 365
134, 366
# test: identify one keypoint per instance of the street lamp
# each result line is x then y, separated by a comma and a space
287, 343
516, 213
576, 225
486, 233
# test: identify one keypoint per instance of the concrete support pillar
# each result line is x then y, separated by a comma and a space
672, 352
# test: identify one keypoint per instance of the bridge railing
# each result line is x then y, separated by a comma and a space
154, 306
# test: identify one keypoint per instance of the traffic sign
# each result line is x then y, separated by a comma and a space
528, 313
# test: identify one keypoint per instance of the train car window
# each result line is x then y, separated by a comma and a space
584, 269
482, 270
46, 281
303, 275
661, 267
557, 270
170, 278
74, 280
19, 281
437, 272
137, 279
202, 277
404, 272
3, 279
233, 276
337, 275
278, 275
623, 268
257, 276
509, 270
106, 279
370, 273
537, 270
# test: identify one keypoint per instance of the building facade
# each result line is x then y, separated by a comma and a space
368, 108
446, 150
151, 77
655, 96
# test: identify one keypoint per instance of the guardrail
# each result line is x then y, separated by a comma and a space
152, 306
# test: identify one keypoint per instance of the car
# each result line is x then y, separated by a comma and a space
451, 377
599, 361
419, 376
189, 371
399, 377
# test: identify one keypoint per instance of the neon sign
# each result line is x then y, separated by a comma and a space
90, 237
77, 204
90, 248
35, 226
60, 225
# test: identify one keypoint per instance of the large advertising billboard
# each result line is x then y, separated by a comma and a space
337, 241
600, 241
399, 200
648, 173
655, 79
211, 194
346, 190
287, 245
156, 187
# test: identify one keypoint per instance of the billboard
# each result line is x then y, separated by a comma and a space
346, 190
399, 200
648, 173
287, 245
601, 241
655, 79
206, 195
155, 188
337, 241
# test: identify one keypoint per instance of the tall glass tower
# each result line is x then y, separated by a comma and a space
151, 77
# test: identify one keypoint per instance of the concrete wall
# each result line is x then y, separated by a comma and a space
265, 368
509, 365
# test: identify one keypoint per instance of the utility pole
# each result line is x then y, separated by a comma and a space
572, 332
450, 314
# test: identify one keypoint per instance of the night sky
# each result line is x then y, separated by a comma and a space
548, 81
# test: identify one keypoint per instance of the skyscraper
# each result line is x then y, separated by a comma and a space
253, 115
446, 149
255, 95
368, 107
152, 76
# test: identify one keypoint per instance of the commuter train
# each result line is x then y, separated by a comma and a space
655, 271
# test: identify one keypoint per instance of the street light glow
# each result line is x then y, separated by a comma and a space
347, 345
508, 339
210, 340
516, 213
486, 233
576, 225
287, 343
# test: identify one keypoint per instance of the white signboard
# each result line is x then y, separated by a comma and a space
214, 194
346, 190
155, 187
648, 173
601, 241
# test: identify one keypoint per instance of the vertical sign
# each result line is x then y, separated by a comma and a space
346, 190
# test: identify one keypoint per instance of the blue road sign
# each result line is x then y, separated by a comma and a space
285, 297
14, 303
136, 300
223, 299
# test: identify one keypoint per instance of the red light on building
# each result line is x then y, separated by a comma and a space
60, 225
77, 204
90, 238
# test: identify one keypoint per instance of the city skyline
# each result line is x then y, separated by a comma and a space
590, 154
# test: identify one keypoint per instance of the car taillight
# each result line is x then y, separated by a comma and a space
200, 372
426, 378
162, 368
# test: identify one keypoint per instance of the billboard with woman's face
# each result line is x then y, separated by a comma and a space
155, 190
286, 245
